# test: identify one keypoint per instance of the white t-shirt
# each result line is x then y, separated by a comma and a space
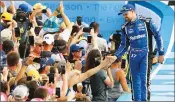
101, 43
63, 35
109, 45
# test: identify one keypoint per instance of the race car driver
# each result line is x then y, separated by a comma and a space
135, 35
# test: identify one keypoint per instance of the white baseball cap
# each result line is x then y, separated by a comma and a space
20, 92
48, 38
6, 34
38, 40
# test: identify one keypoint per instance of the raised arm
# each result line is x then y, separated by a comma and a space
81, 77
65, 18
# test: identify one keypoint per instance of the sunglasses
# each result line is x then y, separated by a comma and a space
40, 45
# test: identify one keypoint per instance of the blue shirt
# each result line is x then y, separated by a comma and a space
3, 59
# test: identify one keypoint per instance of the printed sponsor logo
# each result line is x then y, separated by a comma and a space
137, 37
131, 31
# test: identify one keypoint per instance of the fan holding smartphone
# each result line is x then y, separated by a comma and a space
88, 30
58, 92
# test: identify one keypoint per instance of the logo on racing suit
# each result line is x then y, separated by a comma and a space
137, 37
141, 27
130, 31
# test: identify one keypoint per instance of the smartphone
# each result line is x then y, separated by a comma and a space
37, 30
44, 11
89, 38
51, 77
58, 92
63, 69
79, 20
123, 65
17, 32
31, 40
87, 29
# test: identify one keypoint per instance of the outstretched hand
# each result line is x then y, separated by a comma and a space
161, 59
61, 8
107, 61
28, 60
2, 4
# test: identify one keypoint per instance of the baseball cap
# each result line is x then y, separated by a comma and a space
126, 8
46, 61
60, 44
6, 34
75, 47
39, 6
38, 40
20, 92
24, 7
48, 38
7, 45
52, 24
7, 16
34, 73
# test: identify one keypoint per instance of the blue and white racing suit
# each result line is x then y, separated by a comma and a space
135, 33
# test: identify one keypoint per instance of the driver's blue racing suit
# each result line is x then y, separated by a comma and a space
135, 35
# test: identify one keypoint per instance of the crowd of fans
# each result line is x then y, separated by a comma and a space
54, 60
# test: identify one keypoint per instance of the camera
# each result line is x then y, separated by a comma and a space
87, 29
21, 16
